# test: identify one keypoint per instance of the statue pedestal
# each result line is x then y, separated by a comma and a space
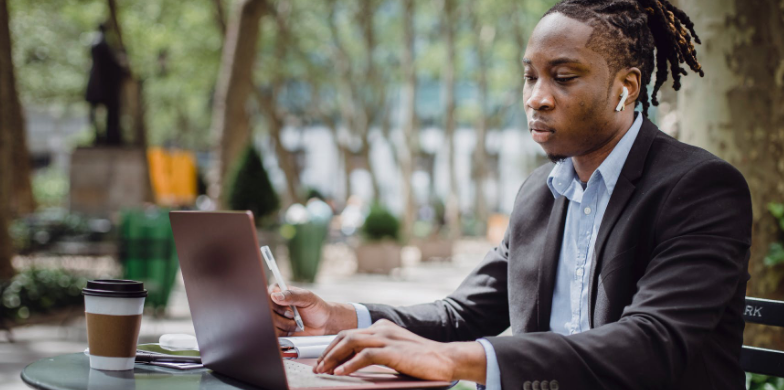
106, 179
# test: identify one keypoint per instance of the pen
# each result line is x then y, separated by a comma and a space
147, 357
273, 266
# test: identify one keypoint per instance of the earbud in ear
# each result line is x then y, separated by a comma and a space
622, 103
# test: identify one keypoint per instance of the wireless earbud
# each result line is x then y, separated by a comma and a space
622, 103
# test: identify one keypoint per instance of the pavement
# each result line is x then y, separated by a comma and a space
415, 282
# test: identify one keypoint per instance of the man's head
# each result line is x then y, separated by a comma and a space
584, 52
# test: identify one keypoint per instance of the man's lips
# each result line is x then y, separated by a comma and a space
540, 132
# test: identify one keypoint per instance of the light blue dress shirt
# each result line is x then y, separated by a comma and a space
583, 218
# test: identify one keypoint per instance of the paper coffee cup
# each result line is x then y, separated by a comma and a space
113, 309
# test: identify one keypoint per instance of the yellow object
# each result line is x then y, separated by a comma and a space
173, 176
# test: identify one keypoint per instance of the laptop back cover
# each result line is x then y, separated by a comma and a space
227, 294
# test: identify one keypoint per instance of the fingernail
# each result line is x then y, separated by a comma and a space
278, 296
320, 367
288, 314
339, 370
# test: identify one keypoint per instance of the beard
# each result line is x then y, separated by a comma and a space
556, 158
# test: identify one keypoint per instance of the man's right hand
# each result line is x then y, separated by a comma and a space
319, 316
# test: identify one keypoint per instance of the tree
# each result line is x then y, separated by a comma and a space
735, 112
269, 101
21, 194
448, 22
484, 36
230, 121
6, 122
361, 94
410, 133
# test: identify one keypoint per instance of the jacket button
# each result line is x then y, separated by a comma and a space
535, 385
553, 384
545, 385
527, 385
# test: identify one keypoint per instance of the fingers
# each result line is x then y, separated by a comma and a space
293, 296
350, 344
366, 357
283, 326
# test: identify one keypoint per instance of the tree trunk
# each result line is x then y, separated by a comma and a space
9, 118
452, 204
735, 112
483, 37
275, 121
358, 114
409, 151
20, 199
230, 121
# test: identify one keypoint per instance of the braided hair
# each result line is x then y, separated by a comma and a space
627, 32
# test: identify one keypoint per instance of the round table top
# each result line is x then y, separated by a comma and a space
72, 372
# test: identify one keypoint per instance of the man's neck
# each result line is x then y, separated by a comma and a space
586, 164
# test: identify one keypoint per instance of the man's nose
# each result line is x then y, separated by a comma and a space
540, 99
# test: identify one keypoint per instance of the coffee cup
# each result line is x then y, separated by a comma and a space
113, 309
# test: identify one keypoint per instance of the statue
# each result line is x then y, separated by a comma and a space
103, 88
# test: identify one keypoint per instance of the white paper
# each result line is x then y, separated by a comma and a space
307, 347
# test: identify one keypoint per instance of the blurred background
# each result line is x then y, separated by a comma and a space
379, 143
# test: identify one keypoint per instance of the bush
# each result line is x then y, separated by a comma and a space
40, 291
380, 224
763, 382
250, 187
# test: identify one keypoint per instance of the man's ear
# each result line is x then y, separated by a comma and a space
632, 80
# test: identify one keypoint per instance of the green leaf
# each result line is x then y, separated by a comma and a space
775, 254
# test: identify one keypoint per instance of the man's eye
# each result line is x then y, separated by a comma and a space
564, 79
529, 78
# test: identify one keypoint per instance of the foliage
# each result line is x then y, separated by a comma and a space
763, 382
776, 251
39, 291
250, 187
50, 187
39, 231
380, 224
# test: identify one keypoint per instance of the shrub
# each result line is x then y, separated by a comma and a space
250, 187
380, 224
40, 291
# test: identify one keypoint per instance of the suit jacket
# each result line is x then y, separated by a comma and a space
667, 288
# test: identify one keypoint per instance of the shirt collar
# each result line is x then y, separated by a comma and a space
563, 180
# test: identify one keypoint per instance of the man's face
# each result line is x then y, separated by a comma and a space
566, 90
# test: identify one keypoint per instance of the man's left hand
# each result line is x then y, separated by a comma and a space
390, 345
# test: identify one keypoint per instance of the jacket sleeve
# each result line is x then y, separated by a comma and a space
699, 257
479, 307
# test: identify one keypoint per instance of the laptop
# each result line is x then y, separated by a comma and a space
226, 286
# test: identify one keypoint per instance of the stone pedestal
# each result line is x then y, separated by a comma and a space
378, 257
106, 179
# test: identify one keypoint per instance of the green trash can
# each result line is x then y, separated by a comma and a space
305, 250
148, 254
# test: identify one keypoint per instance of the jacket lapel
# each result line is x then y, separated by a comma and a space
624, 188
548, 264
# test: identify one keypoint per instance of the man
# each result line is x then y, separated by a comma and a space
624, 263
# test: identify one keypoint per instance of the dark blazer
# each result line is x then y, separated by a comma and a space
667, 290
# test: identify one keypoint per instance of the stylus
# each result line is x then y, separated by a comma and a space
273, 266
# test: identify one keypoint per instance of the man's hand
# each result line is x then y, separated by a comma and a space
319, 317
390, 345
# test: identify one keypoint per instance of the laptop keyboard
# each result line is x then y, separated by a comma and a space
301, 375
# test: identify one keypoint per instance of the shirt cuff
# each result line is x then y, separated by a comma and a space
493, 379
363, 316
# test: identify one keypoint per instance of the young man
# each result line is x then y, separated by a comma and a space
624, 264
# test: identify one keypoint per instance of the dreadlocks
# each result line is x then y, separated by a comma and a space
627, 32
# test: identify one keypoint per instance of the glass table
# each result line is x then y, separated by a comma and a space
72, 372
